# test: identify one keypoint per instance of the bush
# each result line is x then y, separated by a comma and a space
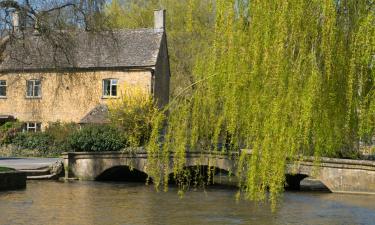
133, 114
39, 141
95, 138
60, 132
59, 137
9, 131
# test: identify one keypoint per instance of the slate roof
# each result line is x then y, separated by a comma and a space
98, 115
84, 50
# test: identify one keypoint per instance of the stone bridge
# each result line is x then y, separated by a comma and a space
338, 175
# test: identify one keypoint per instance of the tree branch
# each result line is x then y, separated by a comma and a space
60, 7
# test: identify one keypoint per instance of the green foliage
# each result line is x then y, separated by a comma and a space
132, 115
5, 169
51, 142
60, 132
96, 138
283, 78
130, 14
190, 30
8, 131
34, 140
59, 137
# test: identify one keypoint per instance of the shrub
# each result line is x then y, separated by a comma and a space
40, 141
9, 131
133, 114
95, 138
59, 137
60, 132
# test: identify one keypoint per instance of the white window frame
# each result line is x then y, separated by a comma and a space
33, 126
34, 85
112, 82
2, 85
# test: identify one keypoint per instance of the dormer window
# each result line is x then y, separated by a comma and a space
33, 89
110, 88
3, 88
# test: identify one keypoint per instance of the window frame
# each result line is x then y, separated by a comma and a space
113, 82
4, 86
33, 127
34, 85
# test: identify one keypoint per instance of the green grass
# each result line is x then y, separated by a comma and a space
5, 169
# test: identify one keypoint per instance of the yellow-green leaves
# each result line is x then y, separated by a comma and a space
283, 78
133, 113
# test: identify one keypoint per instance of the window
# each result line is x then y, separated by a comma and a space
110, 87
3, 88
33, 126
33, 89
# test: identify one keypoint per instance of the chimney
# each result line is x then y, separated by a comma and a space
159, 19
19, 20
16, 20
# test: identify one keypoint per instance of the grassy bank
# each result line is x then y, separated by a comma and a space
5, 169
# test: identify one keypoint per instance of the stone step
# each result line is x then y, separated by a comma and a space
42, 177
37, 172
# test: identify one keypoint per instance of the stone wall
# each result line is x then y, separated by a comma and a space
12, 180
339, 175
66, 97
162, 75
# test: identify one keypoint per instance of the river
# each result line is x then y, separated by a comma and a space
92, 203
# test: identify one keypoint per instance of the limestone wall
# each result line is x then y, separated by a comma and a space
66, 97
162, 75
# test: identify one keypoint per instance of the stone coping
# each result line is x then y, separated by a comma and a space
143, 152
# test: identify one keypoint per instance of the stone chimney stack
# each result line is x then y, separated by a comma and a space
19, 20
16, 20
159, 19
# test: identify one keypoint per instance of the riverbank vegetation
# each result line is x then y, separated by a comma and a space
5, 169
90, 138
59, 138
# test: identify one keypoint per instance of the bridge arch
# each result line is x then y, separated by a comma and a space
339, 175
293, 182
122, 173
328, 175
219, 162
201, 174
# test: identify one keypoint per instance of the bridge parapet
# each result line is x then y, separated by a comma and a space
339, 175
89, 165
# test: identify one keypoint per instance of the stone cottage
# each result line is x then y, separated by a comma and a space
41, 82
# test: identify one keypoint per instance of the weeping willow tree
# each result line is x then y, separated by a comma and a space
285, 79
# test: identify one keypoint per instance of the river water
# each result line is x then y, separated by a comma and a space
92, 203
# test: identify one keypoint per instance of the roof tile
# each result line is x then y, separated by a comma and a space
84, 50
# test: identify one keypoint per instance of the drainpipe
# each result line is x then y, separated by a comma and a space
152, 83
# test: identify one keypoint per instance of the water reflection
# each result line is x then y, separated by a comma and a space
116, 203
